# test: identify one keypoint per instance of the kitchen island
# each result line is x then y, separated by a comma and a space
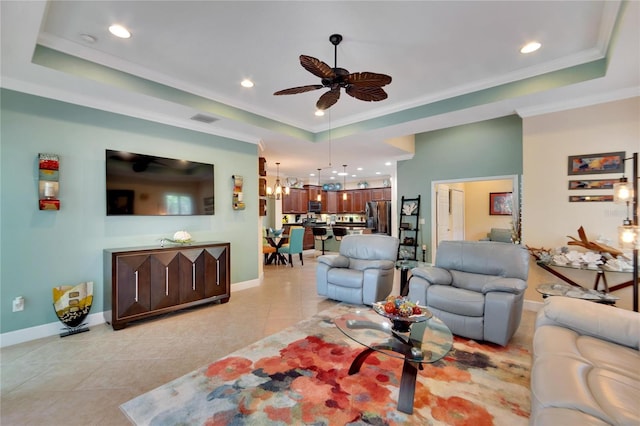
332, 245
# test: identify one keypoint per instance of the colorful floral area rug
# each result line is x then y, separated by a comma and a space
300, 377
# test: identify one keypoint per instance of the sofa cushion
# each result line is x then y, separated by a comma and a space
470, 281
566, 382
484, 257
456, 301
345, 277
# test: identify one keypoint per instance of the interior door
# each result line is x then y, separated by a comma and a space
442, 214
457, 214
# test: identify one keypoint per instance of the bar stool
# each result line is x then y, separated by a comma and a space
339, 233
320, 234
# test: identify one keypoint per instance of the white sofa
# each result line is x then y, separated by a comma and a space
586, 365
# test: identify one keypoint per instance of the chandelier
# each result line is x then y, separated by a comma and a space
277, 189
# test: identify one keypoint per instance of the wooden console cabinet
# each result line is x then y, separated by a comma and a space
150, 281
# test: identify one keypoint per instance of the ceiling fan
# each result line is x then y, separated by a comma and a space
366, 86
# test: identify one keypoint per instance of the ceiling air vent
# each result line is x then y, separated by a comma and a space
204, 118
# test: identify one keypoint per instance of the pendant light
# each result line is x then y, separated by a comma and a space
319, 197
344, 182
277, 189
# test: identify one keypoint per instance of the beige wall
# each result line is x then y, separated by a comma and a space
478, 221
548, 216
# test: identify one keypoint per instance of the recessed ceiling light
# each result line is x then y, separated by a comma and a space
388, 163
119, 31
246, 83
354, 175
378, 173
530, 47
319, 112
332, 177
359, 169
312, 174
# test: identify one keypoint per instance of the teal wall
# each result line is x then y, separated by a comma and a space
487, 148
43, 249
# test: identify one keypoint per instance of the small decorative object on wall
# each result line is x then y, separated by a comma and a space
48, 186
590, 164
500, 203
72, 305
587, 198
238, 203
592, 183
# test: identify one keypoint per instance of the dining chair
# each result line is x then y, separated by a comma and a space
267, 248
296, 236
320, 234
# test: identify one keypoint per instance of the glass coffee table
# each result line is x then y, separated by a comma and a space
427, 341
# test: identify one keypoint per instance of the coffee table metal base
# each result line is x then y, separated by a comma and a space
407, 381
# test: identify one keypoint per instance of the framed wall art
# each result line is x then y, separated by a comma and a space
589, 198
500, 203
593, 183
590, 164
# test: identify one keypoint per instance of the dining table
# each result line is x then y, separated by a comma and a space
276, 240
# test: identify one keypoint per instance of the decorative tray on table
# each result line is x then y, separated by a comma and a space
400, 318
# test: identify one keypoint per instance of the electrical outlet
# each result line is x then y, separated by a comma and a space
18, 304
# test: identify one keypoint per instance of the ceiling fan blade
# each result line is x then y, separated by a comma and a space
368, 79
301, 89
329, 98
316, 67
369, 94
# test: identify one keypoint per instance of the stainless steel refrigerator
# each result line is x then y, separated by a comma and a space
379, 216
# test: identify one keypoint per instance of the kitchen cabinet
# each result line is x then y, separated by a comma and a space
331, 206
378, 194
313, 192
357, 203
344, 205
146, 282
296, 202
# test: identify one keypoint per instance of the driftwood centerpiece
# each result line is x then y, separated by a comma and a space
583, 241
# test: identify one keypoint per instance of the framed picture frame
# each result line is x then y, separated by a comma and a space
592, 183
589, 198
590, 164
500, 203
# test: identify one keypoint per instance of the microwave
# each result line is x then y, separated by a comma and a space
315, 207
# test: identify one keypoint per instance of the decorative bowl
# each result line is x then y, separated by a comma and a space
402, 324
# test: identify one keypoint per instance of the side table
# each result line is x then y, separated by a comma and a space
562, 289
405, 266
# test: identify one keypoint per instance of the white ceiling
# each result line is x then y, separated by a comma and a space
433, 50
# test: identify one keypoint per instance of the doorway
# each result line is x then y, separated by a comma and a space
460, 208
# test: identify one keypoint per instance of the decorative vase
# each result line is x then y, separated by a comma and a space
72, 305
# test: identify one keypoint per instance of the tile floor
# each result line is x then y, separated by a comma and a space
83, 379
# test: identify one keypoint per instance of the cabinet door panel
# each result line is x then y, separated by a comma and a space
133, 293
165, 279
215, 271
191, 275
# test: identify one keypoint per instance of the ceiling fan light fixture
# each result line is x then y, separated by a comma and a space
246, 83
319, 112
530, 47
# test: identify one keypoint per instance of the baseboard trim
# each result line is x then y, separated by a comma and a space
51, 329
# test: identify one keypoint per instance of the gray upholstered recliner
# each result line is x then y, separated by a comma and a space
476, 288
363, 271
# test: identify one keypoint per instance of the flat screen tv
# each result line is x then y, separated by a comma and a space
146, 185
